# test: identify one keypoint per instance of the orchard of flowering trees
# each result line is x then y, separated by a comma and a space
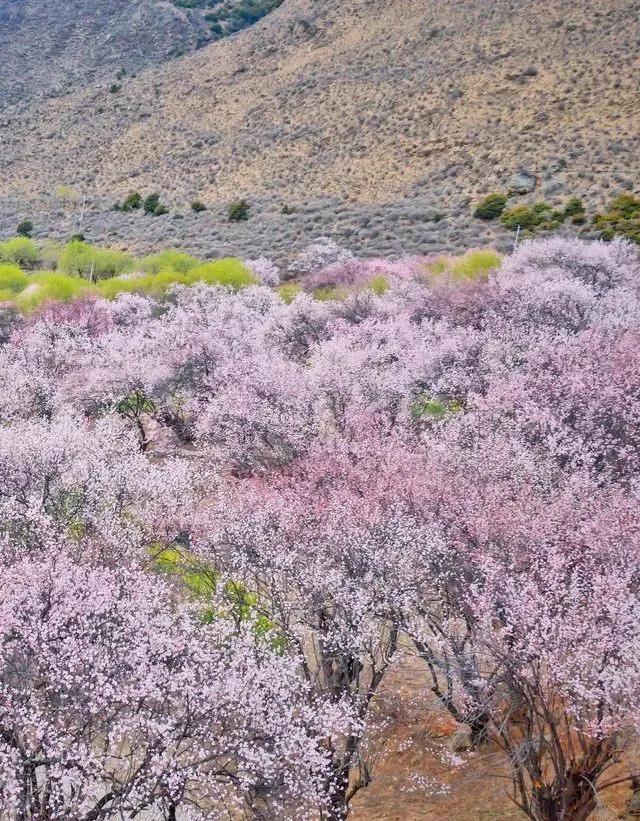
224, 514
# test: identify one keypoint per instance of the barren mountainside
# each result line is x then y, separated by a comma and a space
50, 47
404, 109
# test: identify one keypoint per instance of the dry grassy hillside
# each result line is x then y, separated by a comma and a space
52, 47
364, 101
363, 98
49, 47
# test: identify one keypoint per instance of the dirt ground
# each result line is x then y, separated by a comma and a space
410, 777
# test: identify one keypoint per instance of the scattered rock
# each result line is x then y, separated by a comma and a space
522, 182
633, 807
460, 740
553, 189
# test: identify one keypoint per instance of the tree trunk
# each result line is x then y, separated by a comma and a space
574, 800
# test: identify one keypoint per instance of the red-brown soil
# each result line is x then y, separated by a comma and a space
419, 729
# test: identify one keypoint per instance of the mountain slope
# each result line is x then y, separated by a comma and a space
368, 101
52, 47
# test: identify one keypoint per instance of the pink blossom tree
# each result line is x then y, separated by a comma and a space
114, 702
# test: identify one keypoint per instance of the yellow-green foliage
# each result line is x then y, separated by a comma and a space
289, 292
427, 407
146, 284
229, 272
330, 293
169, 260
45, 286
84, 260
200, 582
622, 218
20, 250
379, 285
29, 291
12, 279
476, 264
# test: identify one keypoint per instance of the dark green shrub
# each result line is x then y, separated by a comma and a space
131, 201
77, 238
198, 206
622, 218
626, 205
238, 211
151, 203
491, 207
160, 210
539, 217
287, 209
25, 228
115, 88
522, 216
541, 208
574, 207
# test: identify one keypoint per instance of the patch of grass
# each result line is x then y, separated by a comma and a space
427, 407
330, 293
379, 285
200, 583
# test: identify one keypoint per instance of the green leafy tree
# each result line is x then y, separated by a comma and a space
20, 250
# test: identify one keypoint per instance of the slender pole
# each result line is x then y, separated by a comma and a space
515, 242
81, 218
